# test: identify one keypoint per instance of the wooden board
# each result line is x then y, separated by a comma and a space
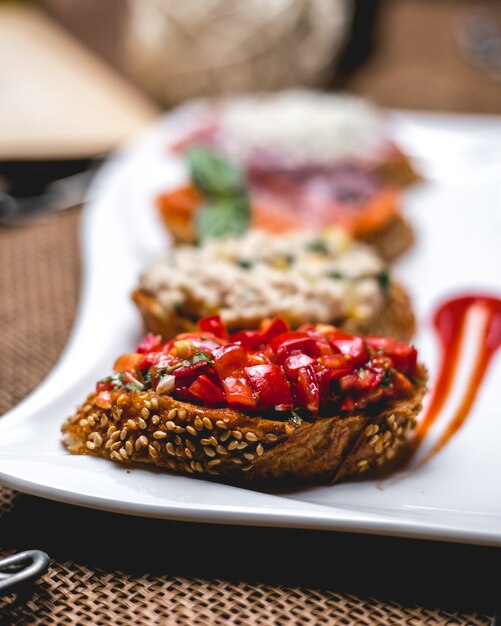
58, 100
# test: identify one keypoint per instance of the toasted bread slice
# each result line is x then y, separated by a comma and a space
395, 319
146, 427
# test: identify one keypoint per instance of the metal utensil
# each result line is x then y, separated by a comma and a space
21, 568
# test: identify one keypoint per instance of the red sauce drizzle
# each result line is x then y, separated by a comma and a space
449, 322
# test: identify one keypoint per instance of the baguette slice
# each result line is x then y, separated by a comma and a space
146, 427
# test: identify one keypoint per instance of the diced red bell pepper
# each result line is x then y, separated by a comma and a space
150, 343
337, 364
205, 390
354, 349
128, 362
213, 324
248, 339
282, 345
295, 362
229, 363
103, 400
270, 384
183, 374
307, 390
272, 328
402, 355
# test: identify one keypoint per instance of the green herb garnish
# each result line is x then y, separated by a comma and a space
295, 417
335, 274
384, 281
317, 245
226, 210
245, 264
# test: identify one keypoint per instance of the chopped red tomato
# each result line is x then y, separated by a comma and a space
402, 355
272, 328
307, 389
206, 391
248, 339
128, 362
150, 343
271, 386
103, 400
214, 325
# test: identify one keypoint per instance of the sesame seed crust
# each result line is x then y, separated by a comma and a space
192, 439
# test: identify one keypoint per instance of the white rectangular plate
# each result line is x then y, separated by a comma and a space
457, 217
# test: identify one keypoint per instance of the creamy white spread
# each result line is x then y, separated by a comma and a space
301, 127
302, 276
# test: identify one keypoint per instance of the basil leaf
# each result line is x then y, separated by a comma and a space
223, 217
213, 175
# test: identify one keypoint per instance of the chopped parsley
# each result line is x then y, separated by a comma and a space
384, 281
317, 245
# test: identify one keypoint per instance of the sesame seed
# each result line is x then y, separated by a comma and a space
154, 403
199, 467
246, 468
153, 452
213, 441
368, 430
181, 413
378, 448
288, 430
142, 423
145, 413
131, 424
214, 462
386, 435
198, 423
104, 421
87, 408
170, 448
193, 465
188, 468
83, 422
172, 414
221, 450
92, 420
170, 425
171, 464
121, 398
108, 444
237, 434
147, 404
143, 440
249, 456
210, 451
363, 463
129, 448
207, 423
98, 440
90, 445
178, 440
159, 434
242, 445
259, 449
221, 424
205, 441
192, 431
237, 460
115, 446
188, 452
123, 433
226, 435
155, 420
111, 430
232, 445
179, 429
213, 471
179, 451
271, 437
250, 436
390, 453
115, 456
137, 445
123, 453
373, 440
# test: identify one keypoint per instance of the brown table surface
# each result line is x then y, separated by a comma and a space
108, 568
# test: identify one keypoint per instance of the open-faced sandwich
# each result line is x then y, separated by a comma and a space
269, 403
324, 278
309, 160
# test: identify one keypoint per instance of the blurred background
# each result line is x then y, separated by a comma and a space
78, 77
